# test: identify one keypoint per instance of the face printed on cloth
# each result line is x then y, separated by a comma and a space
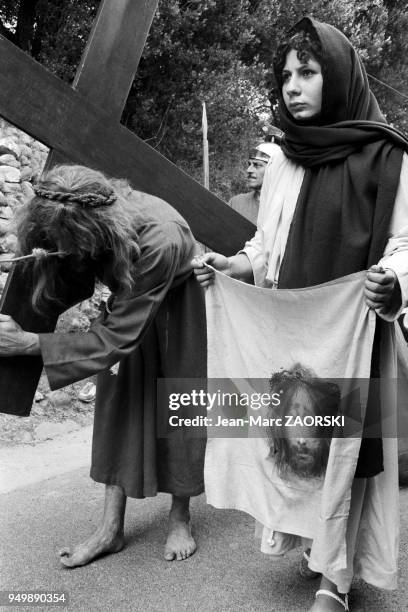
302, 86
301, 450
304, 452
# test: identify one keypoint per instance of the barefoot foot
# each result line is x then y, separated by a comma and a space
103, 542
180, 544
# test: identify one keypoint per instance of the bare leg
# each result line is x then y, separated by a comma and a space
180, 543
108, 538
324, 603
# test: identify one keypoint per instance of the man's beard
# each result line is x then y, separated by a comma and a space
305, 462
308, 463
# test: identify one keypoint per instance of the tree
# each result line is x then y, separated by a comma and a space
219, 51
54, 32
193, 54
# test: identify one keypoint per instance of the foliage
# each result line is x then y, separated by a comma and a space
219, 51
193, 55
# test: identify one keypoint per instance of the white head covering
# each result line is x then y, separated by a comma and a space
264, 151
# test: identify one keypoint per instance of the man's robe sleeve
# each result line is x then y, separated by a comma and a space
69, 357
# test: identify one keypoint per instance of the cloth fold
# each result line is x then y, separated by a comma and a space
254, 332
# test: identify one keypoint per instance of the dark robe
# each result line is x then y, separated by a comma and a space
157, 331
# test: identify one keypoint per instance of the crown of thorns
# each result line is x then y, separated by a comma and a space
93, 200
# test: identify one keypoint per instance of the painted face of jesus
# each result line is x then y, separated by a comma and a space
304, 453
302, 86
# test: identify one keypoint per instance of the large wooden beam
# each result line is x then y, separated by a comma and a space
81, 124
105, 75
111, 57
67, 121
19, 376
113, 52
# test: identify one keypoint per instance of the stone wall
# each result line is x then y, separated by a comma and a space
53, 413
21, 162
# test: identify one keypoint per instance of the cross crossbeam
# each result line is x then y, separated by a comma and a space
82, 124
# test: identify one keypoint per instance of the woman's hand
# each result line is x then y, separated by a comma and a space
16, 341
205, 276
381, 288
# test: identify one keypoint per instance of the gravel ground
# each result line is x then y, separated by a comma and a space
55, 413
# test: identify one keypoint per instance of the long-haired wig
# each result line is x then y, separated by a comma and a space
84, 214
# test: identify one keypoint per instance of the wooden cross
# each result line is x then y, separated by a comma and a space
81, 124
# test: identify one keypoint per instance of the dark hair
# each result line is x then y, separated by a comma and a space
307, 46
86, 212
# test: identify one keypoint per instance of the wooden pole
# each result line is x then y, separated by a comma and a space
206, 164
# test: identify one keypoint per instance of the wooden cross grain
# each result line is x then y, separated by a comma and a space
81, 124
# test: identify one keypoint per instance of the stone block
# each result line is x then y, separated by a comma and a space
9, 160
11, 187
25, 150
42, 147
9, 146
10, 242
59, 398
14, 132
4, 226
39, 396
26, 173
25, 138
27, 190
6, 212
9, 174
12, 201
25, 161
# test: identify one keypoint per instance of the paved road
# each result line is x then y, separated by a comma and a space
228, 573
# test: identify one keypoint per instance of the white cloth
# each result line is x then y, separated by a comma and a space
253, 332
281, 187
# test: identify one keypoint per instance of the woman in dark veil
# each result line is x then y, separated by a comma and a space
335, 202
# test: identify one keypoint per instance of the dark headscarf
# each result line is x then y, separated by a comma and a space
353, 163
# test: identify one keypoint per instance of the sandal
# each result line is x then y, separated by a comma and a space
304, 569
344, 602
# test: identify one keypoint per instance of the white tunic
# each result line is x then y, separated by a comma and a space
374, 556
280, 191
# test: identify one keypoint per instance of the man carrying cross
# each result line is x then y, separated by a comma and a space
154, 326
81, 124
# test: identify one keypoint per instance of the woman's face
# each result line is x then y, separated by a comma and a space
302, 86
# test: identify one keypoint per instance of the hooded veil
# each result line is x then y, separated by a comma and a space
353, 163
342, 217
